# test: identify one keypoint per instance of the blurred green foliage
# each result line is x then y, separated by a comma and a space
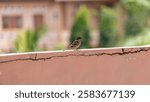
107, 27
137, 15
142, 39
80, 27
143, 3
27, 40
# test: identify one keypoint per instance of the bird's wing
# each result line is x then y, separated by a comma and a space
74, 44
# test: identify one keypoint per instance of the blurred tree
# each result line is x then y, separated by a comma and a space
80, 27
137, 16
108, 27
136, 13
27, 40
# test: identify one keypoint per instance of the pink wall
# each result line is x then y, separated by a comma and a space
94, 66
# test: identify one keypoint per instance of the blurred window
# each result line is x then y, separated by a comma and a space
11, 22
38, 20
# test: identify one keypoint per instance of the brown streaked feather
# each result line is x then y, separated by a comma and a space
75, 44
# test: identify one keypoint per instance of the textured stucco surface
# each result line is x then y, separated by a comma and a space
94, 66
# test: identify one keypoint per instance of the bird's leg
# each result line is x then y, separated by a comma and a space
76, 50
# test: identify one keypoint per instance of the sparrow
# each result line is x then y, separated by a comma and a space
75, 44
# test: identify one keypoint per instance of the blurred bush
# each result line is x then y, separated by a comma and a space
134, 22
141, 39
27, 40
136, 17
80, 27
108, 27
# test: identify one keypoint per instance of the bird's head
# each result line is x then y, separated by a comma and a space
78, 38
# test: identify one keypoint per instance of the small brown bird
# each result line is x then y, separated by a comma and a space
75, 44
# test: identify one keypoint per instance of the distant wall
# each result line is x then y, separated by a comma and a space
94, 66
27, 11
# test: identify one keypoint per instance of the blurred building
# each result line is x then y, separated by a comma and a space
58, 15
